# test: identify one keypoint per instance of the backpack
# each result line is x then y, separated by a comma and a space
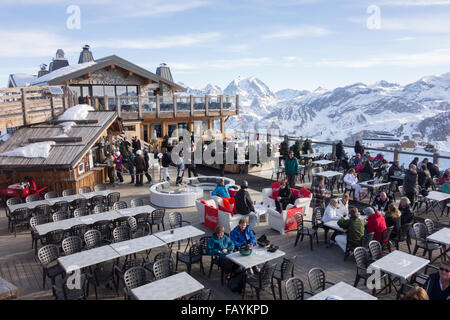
236, 282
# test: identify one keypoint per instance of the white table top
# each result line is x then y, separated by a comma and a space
71, 198
131, 212
87, 258
308, 155
92, 194
29, 205
344, 291
374, 185
179, 234
334, 225
442, 236
328, 174
66, 224
400, 264
323, 162
401, 177
137, 245
93, 218
438, 196
259, 255
169, 288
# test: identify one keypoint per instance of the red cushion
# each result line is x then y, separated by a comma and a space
232, 192
296, 193
227, 203
272, 197
305, 193
275, 193
276, 185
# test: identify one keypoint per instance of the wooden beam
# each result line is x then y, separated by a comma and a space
66, 139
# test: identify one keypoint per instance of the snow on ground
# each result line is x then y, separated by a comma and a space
33, 150
78, 112
66, 126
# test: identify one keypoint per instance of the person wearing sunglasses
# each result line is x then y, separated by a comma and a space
438, 285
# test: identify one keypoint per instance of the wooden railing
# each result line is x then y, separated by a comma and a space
30, 105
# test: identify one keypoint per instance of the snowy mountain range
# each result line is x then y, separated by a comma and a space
346, 113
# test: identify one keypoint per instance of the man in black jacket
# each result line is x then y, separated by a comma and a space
410, 185
438, 285
147, 166
382, 202
284, 197
165, 162
244, 203
136, 144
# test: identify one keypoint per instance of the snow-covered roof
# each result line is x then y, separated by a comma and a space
22, 79
62, 72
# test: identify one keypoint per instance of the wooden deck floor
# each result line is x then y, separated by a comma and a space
19, 265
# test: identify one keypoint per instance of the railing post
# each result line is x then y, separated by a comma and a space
52, 106
221, 104
96, 105
157, 106
140, 107
436, 159
396, 153
106, 102
24, 107
206, 106
333, 151
192, 105
119, 108
174, 99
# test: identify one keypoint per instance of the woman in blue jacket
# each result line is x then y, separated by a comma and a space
221, 245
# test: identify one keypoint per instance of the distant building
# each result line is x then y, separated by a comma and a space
408, 146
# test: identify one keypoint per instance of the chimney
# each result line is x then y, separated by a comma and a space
43, 71
85, 55
164, 72
59, 61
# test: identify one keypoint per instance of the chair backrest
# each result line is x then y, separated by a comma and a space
93, 238
79, 230
361, 257
204, 294
20, 214
135, 277
80, 212
32, 198
420, 231
113, 198
71, 245
295, 289
316, 279
204, 243
165, 254
366, 239
42, 210
48, 253
122, 221
287, 267
61, 206
375, 249
60, 215
175, 219
82, 190
51, 195
99, 199
132, 223
266, 273
142, 218
55, 236
104, 226
99, 187
386, 234
163, 268
120, 205
299, 219
99, 208
121, 233
13, 201
80, 203
157, 216
195, 251
37, 220
68, 192
136, 203
430, 226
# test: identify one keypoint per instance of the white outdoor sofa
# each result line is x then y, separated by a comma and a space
277, 221
173, 200
208, 183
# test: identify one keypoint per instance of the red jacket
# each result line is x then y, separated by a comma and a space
377, 224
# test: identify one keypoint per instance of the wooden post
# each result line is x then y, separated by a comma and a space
96, 105
396, 153
157, 107
237, 104
140, 107
333, 151
436, 159
206, 106
222, 125
52, 106
174, 99
192, 105
119, 108
24, 107
106, 103
221, 106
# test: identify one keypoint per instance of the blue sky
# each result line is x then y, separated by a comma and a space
299, 44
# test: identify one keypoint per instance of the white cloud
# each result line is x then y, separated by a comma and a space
290, 58
219, 64
405, 39
297, 32
417, 3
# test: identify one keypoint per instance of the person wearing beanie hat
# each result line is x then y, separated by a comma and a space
375, 223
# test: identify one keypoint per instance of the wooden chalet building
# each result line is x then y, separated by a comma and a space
148, 103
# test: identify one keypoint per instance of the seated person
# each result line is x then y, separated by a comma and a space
393, 169
405, 208
445, 177
318, 192
381, 202
438, 285
243, 234
244, 203
424, 177
221, 190
342, 208
368, 169
416, 293
330, 213
351, 181
375, 223
393, 218
221, 245
355, 230
284, 197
